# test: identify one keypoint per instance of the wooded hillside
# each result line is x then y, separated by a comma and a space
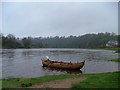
83, 41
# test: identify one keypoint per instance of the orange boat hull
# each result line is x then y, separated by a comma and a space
56, 64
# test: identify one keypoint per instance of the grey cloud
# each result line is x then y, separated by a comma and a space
63, 19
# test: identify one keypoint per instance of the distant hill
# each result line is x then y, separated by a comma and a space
83, 41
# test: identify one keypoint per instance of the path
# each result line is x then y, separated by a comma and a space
65, 83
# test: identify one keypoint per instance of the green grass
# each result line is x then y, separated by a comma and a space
118, 50
104, 80
26, 82
112, 48
101, 80
106, 48
46, 87
115, 60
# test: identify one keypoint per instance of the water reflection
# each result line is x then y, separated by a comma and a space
63, 70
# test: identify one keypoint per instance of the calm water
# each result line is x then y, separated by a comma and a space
27, 62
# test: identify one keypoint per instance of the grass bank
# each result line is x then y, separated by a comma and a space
115, 60
117, 50
101, 80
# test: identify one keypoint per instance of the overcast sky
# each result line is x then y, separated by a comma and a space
62, 19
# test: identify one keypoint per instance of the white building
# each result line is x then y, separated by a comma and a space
112, 43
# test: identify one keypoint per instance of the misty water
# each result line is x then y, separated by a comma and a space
27, 62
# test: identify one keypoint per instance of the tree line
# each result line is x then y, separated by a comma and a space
10, 41
83, 41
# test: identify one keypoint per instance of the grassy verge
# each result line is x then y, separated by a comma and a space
117, 50
26, 82
101, 80
106, 48
115, 60
110, 48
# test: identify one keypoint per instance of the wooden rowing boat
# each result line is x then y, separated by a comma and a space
64, 65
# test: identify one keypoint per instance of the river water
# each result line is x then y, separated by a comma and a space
27, 62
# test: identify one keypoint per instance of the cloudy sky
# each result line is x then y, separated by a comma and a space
60, 18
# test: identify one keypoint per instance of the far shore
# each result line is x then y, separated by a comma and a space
106, 48
117, 50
